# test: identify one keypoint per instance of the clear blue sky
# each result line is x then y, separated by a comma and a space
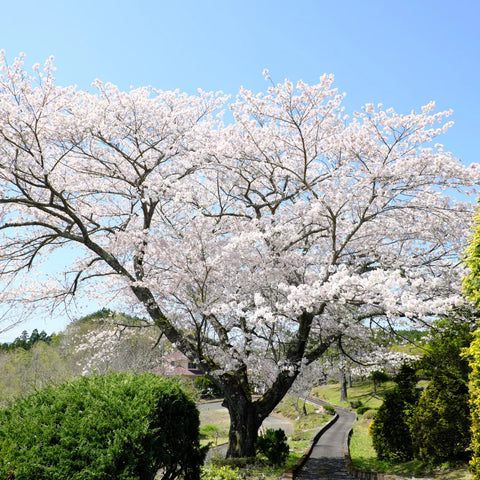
402, 54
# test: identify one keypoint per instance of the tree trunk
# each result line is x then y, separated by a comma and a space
244, 424
243, 432
343, 386
246, 414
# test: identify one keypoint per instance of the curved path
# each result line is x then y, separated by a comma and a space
327, 459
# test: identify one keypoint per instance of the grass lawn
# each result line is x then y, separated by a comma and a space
360, 393
214, 427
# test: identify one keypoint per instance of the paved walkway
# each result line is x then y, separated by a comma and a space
327, 460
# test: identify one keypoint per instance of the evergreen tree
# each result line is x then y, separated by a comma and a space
441, 421
449, 337
390, 431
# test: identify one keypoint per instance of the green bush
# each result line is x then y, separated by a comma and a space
224, 472
329, 409
362, 410
391, 437
273, 444
117, 427
441, 422
206, 388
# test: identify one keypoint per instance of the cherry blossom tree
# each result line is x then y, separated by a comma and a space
259, 241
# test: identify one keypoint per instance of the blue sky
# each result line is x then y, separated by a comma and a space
402, 54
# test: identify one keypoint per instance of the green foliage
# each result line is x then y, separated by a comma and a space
98, 315
329, 409
273, 444
205, 387
26, 370
224, 472
110, 316
474, 360
441, 421
26, 342
379, 376
209, 429
119, 426
449, 337
362, 410
390, 430
471, 283
406, 380
412, 336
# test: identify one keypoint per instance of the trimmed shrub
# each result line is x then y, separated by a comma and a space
362, 410
118, 427
441, 422
273, 444
370, 414
329, 409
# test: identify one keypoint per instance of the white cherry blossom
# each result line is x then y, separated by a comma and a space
261, 240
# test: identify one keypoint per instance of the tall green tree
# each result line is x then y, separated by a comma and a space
391, 435
471, 283
471, 286
474, 359
448, 338
441, 421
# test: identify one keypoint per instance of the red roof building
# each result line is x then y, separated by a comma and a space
177, 364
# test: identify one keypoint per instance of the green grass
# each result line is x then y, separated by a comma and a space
214, 427
360, 393
305, 427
